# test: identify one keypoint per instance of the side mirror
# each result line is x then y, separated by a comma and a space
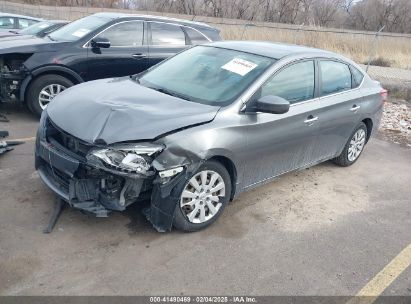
100, 42
272, 104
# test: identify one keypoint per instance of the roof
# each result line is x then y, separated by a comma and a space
58, 21
154, 18
54, 21
270, 49
20, 16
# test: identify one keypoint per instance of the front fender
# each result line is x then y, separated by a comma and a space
49, 69
59, 69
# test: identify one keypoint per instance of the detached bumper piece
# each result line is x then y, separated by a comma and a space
6, 146
10, 83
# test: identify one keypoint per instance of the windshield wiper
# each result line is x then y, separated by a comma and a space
165, 91
48, 36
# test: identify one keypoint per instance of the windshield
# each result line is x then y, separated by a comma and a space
35, 28
79, 28
205, 74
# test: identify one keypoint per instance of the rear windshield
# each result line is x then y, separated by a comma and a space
35, 28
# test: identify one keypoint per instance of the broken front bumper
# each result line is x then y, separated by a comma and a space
63, 167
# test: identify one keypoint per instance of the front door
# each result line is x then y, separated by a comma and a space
126, 55
278, 143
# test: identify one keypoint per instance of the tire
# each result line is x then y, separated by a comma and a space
345, 159
182, 214
41, 83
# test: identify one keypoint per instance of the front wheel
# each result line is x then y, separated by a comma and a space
43, 90
203, 198
354, 147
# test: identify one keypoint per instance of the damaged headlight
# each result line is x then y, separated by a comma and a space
134, 158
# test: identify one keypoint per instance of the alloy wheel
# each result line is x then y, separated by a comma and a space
201, 198
48, 93
356, 145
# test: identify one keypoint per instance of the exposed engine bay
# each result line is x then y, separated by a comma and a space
12, 73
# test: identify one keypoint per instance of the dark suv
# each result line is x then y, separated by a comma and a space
102, 45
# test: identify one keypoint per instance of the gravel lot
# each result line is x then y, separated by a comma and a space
396, 122
389, 73
397, 81
322, 231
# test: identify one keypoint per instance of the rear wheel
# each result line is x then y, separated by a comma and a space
354, 147
43, 90
203, 198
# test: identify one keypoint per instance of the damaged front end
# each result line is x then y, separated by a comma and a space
12, 74
98, 179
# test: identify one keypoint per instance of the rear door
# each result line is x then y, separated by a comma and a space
126, 55
165, 40
194, 36
341, 106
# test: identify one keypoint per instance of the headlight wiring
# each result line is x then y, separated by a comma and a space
133, 158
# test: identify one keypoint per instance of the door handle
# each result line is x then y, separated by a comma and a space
311, 120
355, 108
138, 56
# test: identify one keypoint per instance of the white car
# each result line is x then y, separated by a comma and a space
16, 22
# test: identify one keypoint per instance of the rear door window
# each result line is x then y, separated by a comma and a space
166, 34
335, 77
357, 77
195, 36
24, 23
294, 83
7, 22
125, 34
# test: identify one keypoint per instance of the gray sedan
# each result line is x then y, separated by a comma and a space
193, 132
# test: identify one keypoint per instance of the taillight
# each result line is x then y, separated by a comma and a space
384, 95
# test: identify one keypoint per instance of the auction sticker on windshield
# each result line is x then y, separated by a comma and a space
239, 66
80, 33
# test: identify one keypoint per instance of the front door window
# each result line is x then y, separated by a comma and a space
294, 83
124, 34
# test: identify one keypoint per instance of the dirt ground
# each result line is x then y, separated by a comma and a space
322, 231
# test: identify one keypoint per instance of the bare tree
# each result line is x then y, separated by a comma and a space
373, 14
215, 6
357, 14
324, 11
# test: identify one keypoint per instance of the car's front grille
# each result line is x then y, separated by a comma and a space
66, 141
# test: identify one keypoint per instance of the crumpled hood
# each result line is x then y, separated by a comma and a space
116, 110
29, 44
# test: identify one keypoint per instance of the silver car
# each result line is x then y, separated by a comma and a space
190, 134
16, 22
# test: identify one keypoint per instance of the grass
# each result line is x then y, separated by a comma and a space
390, 51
